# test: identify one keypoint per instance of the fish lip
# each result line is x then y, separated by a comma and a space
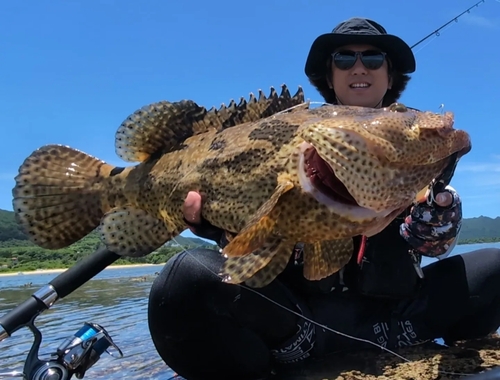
352, 211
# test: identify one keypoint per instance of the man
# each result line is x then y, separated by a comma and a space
204, 328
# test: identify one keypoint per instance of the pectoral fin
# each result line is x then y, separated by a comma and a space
327, 257
132, 232
260, 226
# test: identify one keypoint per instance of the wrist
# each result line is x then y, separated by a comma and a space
206, 230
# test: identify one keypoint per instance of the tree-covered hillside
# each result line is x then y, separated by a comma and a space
18, 253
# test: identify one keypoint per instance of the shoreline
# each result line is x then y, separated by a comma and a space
122, 266
61, 270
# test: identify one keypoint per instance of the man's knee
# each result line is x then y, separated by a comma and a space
176, 293
187, 268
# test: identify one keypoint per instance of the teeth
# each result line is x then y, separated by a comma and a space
359, 85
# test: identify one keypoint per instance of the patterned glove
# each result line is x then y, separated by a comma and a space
431, 229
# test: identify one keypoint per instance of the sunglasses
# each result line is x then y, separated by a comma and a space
371, 59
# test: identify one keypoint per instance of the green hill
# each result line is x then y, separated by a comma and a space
17, 253
10, 232
8, 227
480, 228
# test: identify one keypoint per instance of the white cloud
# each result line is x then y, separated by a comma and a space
491, 166
479, 167
481, 21
478, 182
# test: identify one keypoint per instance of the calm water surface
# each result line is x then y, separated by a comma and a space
116, 299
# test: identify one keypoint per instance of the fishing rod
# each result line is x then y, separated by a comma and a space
436, 32
77, 353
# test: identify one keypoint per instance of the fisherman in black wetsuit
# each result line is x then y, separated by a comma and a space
204, 328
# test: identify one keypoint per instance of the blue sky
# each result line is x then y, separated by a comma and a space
72, 71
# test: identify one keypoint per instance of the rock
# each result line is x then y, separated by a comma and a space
428, 361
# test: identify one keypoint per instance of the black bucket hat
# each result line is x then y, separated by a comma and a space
358, 31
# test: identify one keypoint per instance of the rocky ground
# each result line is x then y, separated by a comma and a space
427, 362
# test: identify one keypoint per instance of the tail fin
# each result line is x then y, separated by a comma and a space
57, 195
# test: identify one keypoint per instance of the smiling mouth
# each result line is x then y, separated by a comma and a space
323, 178
360, 85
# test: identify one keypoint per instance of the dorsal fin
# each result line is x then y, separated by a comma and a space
256, 109
163, 126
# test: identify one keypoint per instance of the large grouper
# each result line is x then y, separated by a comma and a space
272, 171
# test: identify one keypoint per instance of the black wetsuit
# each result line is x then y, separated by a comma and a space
205, 329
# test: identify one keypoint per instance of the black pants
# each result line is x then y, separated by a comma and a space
203, 328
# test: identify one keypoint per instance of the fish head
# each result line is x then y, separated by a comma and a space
369, 163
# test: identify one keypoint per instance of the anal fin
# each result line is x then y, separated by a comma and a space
132, 232
260, 226
238, 269
273, 269
324, 258
258, 268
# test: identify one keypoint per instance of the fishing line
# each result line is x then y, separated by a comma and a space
311, 320
454, 19
428, 43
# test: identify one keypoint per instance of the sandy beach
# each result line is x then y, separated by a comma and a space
51, 271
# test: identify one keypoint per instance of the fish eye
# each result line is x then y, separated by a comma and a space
397, 107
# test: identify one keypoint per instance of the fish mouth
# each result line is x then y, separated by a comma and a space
323, 178
318, 178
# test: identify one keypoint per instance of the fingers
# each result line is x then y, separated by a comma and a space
444, 199
433, 230
192, 208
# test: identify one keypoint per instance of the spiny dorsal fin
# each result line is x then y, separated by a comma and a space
254, 109
163, 126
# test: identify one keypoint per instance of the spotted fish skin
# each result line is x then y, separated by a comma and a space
248, 162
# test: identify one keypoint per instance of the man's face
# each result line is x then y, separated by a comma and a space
359, 85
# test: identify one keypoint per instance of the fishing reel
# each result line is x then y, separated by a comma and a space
74, 356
